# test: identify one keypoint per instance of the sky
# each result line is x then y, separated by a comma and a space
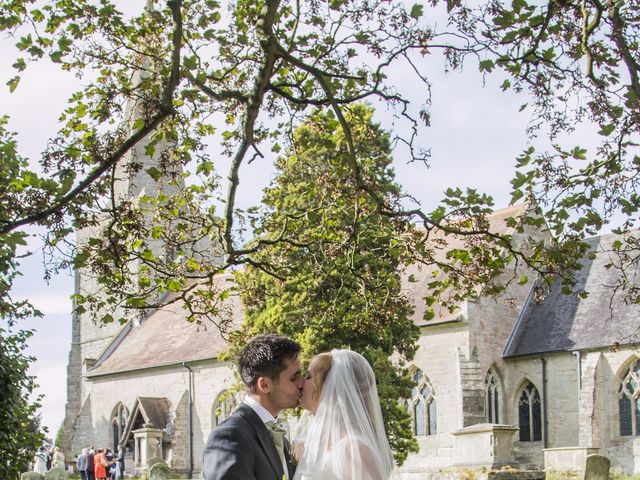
476, 134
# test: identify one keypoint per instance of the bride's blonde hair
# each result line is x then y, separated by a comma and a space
323, 366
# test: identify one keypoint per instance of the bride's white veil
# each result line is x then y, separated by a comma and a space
345, 439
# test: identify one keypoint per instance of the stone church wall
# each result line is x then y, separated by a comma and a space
82, 429
624, 451
438, 357
170, 382
209, 381
561, 402
491, 321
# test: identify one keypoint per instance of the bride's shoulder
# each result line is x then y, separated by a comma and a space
354, 446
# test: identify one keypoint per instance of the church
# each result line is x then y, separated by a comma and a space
532, 383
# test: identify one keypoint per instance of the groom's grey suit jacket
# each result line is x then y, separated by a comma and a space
241, 448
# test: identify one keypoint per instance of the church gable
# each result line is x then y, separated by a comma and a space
147, 412
417, 277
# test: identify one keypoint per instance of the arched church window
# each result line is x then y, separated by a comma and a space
225, 404
492, 397
629, 401
423, 406
118, 424
529, 414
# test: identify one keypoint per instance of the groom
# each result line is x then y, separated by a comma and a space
243, 447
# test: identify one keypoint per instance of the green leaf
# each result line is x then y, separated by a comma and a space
486, 65
579, 153
607, 129
154, 173
20, 64
13, 83
64, 43
417, 11
191, 62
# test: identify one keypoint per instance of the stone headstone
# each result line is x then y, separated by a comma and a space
597, 468
56, 473
159, 471
31, 476
153, 460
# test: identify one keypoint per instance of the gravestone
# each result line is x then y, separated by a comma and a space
31, 476
159, 471
596, 468
56, 473
153, 460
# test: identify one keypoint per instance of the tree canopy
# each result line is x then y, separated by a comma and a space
210, 80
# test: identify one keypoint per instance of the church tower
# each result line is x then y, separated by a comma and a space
91, 341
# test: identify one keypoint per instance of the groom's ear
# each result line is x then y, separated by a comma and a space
264, 385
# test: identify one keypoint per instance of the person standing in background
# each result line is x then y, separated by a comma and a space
90, 464
108, 454
81, 463
120, 458
40, 461
99, 465
49, 457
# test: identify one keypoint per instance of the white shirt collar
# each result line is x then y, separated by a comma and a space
262, 412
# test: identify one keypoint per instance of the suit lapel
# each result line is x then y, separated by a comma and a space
290, 466
264, 438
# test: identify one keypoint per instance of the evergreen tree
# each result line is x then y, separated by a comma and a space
336, 282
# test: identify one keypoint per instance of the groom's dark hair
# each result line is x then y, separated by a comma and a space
265, 356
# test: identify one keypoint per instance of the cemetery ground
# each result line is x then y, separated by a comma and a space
471, 475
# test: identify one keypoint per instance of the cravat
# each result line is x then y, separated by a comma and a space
277, 433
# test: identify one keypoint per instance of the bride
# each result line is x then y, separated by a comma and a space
345, 437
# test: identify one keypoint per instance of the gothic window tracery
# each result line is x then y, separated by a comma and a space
118, 423
529, 414
629, 401
223, 406
423, 406
492, 397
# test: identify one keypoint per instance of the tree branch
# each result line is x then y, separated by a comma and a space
165, 110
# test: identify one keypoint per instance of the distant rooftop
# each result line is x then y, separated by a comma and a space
424, 274
167, 338
567, 323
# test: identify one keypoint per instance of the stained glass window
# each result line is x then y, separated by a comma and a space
118, 424
224, 406
629, 401
529, 414
492, 398
423, 406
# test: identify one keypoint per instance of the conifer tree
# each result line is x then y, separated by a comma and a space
336, 283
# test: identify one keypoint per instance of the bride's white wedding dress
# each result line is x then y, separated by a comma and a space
345, 439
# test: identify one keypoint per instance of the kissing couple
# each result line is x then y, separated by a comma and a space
345, 437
